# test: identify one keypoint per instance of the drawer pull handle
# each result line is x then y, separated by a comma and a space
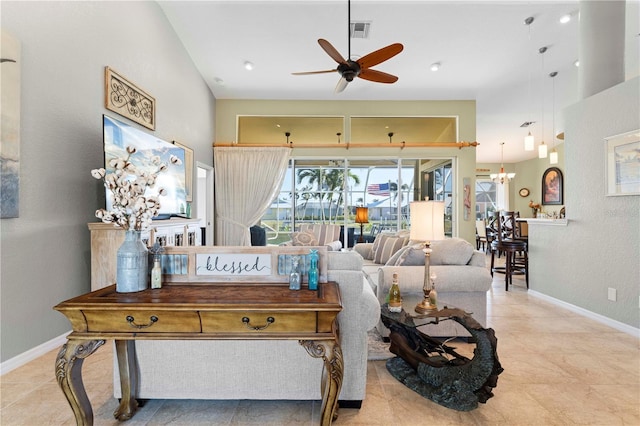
247, 323
132, 322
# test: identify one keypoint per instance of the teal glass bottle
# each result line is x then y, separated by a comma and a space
313, 269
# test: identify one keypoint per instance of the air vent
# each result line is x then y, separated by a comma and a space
360, 29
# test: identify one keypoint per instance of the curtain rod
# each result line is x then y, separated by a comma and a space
348, 145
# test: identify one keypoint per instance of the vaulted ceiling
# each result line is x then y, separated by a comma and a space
485, 50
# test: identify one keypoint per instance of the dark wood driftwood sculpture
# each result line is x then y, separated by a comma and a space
435, 370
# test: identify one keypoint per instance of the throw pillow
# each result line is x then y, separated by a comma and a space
412, 256
377, 244
452, 251
388, 246
394, 259
304, 238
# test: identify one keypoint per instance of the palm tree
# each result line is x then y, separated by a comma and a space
315, 176
335, 183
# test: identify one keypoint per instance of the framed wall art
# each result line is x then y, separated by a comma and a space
623, 164
10, 75
128, 100
552, 187
188, 165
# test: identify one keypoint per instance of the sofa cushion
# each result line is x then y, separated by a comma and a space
452, 251
304, 238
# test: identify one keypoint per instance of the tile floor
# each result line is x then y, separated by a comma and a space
560, 369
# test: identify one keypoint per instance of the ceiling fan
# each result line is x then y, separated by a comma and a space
361, 68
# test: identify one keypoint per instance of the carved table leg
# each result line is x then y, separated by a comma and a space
127, 368
331, 353
69, 375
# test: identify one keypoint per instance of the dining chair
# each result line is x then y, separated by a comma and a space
481, 235
506, 241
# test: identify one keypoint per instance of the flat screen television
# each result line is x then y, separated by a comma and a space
118, 136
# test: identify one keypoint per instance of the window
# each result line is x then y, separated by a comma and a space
329, 190
485, 198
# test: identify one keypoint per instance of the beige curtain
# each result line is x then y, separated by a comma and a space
247, 181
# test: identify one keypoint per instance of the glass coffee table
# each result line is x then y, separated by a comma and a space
435, 370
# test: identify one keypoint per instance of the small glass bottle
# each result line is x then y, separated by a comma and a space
395, 300
433, 294
156, 273
294, 276
313, 269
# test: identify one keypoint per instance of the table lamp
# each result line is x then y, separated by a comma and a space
362, 217
427, 224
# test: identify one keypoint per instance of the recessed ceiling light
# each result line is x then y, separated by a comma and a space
435, 66
565, 18
248, 65
576, 63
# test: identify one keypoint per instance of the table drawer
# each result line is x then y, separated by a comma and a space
258, 321
143, 321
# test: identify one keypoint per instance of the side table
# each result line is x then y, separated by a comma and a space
435, 370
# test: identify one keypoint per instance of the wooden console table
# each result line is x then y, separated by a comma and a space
241, 311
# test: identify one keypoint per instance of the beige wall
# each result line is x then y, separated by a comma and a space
227, 112
65, 47
600, 247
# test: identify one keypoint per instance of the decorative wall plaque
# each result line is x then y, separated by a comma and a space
128, 100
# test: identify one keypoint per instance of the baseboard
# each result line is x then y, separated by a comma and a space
31, 354
620, 326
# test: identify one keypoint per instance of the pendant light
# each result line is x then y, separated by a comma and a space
529, 141
542, 148
553, 155
502, 176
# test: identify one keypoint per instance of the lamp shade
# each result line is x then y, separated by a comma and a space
427, 220
529, 142
362, 215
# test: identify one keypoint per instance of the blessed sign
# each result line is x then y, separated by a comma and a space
233, 264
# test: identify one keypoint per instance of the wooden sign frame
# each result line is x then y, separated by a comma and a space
233, 264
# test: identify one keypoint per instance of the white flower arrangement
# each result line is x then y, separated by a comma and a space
132, 209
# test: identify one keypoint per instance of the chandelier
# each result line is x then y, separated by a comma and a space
502, 176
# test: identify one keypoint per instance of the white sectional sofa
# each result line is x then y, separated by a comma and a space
462, 279
268, 369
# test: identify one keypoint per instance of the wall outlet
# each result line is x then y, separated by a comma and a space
611, 294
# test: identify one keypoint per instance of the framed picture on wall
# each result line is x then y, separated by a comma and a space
188, 166
552, 184
623, 164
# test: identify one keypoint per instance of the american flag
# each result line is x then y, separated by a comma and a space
378, 189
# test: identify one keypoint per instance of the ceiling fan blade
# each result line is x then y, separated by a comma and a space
380, 55
313, 72
342, 84
377, 76
331, 51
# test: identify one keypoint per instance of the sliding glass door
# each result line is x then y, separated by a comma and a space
329, 190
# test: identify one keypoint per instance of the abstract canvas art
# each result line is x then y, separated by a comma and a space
10, 135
